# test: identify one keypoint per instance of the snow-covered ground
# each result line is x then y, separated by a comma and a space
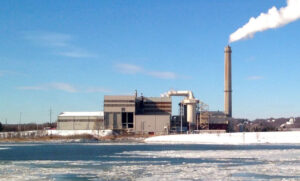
39, 133
100, 133
290, 137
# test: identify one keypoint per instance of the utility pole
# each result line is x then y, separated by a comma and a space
20, 119
180, 118
197, 107
50, 116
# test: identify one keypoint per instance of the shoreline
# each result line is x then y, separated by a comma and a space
78, 139
238, 138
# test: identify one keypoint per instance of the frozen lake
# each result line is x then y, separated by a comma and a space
148, 162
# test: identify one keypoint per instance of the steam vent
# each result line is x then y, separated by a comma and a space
227, 89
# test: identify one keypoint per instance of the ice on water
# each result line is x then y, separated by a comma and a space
245, 164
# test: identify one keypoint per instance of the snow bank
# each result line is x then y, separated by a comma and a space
230, 138
100, 133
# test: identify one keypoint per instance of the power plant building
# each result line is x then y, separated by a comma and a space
141, 115
119, 112
152, 115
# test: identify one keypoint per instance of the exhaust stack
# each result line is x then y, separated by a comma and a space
227, 89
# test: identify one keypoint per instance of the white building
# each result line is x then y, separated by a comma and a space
80, 121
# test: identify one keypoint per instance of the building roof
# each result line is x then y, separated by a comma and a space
219, 113
98, 113
119, 97
157, 99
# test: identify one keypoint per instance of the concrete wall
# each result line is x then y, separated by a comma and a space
80, 125
152, 123
79, 117
113, 120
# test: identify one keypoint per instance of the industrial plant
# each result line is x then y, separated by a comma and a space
153, 115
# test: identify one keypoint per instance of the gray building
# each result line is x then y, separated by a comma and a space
213, 120
119, 112
80, 121
141, 115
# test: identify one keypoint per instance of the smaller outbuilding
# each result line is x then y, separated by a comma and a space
80, 121
215, 120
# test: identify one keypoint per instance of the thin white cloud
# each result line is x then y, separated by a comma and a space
128, 68
97, 89
255, 77
64, 87
51, 86
134, 69
250, 59
76, 54
61, 44
49, 38
8, 72
163, 75
32, 88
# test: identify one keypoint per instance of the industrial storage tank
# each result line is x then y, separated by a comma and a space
189, 101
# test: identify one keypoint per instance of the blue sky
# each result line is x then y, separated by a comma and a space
69, 54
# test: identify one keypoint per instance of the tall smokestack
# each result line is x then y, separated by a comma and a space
227, 89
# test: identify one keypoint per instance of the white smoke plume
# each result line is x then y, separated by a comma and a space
273, 19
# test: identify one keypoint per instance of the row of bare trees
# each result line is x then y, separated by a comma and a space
26, 127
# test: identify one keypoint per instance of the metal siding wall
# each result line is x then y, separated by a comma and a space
162, 121
71, 125
152, 123
119, 100
119, 109
110, 121
66, 125
80, 125
119, 121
